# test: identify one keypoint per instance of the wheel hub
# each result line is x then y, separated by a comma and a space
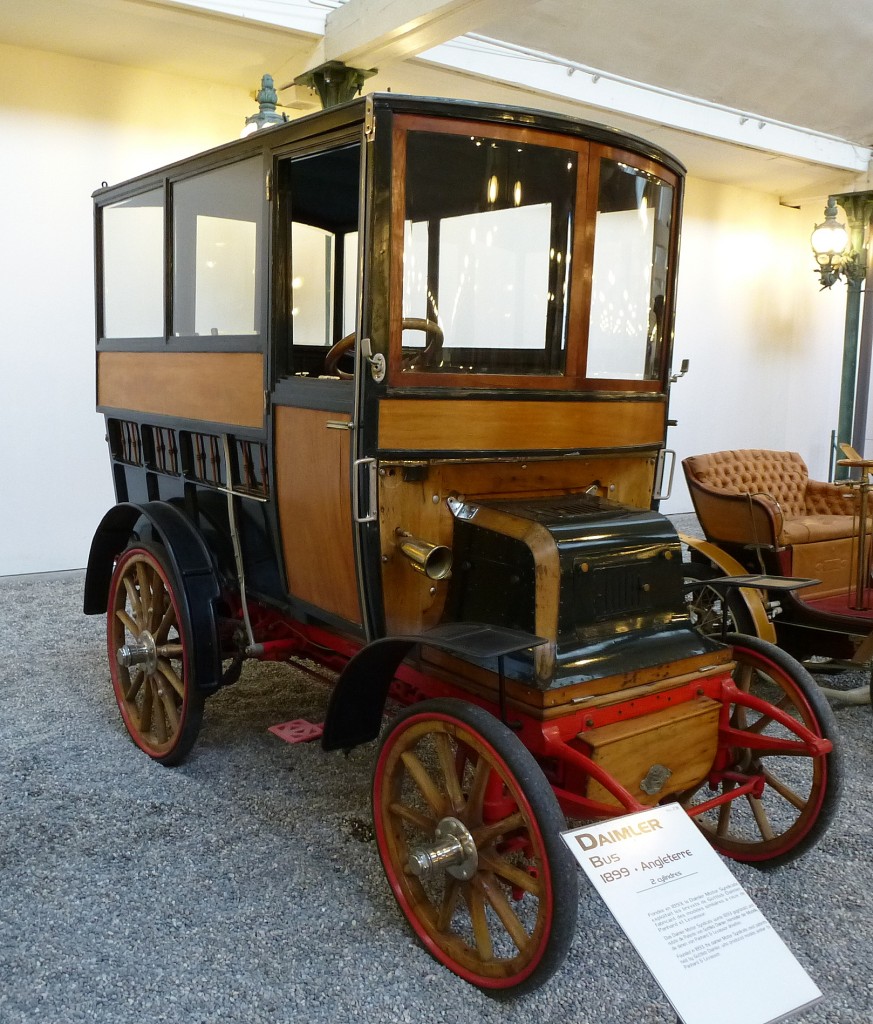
454, 850
141, 651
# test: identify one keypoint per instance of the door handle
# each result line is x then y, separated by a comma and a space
359, 466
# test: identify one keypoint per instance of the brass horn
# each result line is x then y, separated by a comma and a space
433, 560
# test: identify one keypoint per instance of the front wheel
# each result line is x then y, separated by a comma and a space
468, 830
785, 788
149, 649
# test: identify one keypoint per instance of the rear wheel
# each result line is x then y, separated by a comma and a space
149, 649
791, 788
468, 831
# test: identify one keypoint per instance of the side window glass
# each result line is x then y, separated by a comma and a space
629, 279
350, 282
487, 234
133, 267
312, 272
217, 229
317, 287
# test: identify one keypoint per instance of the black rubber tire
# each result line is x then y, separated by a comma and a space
814, 780
470, 736
162, 710
705, 605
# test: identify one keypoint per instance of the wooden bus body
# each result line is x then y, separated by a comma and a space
386, 388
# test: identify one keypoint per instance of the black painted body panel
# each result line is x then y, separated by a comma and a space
621, 604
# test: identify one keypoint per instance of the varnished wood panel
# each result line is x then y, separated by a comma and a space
222, 387
682, 738
546, 705
444, 425
315, 515
419, 506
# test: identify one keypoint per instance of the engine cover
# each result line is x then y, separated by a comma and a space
600, 580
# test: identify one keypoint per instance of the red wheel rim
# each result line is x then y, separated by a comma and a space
799, 782
472, 899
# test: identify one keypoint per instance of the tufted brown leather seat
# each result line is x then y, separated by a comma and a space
760, 498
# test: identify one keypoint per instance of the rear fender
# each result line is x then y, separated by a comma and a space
192, 567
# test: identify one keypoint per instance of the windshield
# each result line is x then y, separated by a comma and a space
528, 254
488, 232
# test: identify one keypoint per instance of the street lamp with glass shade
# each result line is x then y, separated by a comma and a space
830, 245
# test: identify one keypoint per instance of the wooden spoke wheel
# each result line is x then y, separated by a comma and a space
794, 790
706, 605
149, 656
468, 830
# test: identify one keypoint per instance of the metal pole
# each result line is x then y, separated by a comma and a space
849, 370
865, 359
857, 206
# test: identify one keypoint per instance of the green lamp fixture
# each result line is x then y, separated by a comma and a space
830, 246
267, 115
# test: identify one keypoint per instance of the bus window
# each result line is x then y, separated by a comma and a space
133, 267
629, 277
317, 294
487, 236
217, 230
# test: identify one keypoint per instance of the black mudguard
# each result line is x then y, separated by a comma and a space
357, 703
192, 566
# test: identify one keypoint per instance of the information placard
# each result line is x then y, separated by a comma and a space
714, 954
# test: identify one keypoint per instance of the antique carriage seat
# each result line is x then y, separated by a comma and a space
757, 498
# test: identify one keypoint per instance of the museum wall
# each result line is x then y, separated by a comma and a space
764, 344
67, 125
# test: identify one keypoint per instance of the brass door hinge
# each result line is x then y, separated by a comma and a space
268, 186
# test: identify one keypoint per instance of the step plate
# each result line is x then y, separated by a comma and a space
298, 730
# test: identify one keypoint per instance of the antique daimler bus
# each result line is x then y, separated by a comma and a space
386, 389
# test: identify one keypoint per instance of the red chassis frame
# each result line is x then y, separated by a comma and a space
551, 743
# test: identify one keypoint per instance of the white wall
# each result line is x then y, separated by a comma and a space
66, 126
765, 343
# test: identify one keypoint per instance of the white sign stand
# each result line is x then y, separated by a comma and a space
714, 954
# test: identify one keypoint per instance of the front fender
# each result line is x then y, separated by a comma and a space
357, 702
192, 567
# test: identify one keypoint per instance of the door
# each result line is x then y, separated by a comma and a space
315, 307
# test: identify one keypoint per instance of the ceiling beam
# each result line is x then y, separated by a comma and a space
369, 32
555, 76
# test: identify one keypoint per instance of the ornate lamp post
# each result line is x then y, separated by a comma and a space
840, 251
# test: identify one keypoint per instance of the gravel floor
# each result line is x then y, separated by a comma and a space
245, 884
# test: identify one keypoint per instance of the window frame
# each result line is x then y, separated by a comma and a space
598, 154
282, 341
588, 161
405, 123
254, 341
145, 341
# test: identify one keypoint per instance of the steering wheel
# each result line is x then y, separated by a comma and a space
430, 354
342, 347
411, 356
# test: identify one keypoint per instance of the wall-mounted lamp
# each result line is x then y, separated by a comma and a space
830, 246
267, 114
